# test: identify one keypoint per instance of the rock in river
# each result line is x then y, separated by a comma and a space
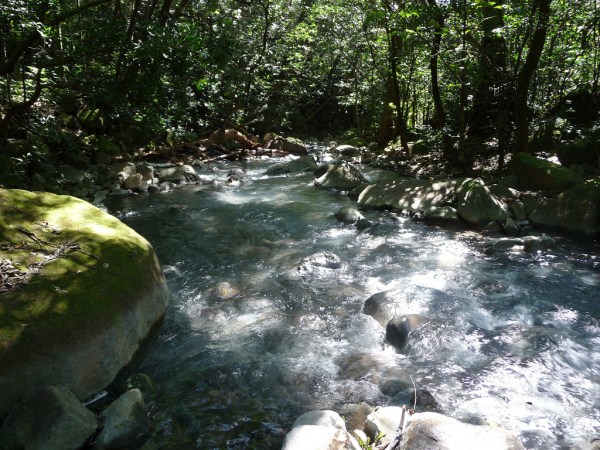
89, 294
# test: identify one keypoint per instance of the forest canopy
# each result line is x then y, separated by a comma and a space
457, 71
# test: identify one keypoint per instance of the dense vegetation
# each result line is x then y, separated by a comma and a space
462, 76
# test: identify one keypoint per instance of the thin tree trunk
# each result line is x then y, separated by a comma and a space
525, 74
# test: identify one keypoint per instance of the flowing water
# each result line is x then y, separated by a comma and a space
253, 337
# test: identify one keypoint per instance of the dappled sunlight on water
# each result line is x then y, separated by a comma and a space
250, 341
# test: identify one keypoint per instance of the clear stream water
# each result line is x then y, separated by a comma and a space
250, 342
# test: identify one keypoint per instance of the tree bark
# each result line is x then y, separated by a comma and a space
525, 74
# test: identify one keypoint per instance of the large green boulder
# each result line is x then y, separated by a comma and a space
82, 296
538, 174
576, 210
477, 205
583, 151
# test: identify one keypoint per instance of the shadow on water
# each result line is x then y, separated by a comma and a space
256, 335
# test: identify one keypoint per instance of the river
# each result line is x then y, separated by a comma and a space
250, 341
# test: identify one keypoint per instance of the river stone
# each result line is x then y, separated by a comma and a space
528, 244
132, 181
407, 194
71, 175
510, 227
79, 321
424, 399
355, 415
437, 432
101, 196
446, 214
339, 176
530, 203
518, 209
294, 146
143, 187
576, 210
398, 329
177, 173
319, 430
348, 215
122, 171
125, 424
538, 174
348, 150
50, 418
503, 192
304, 163
323, 260
477, 206
146, 171
383, 420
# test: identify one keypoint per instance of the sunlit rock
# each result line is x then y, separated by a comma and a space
319, 430
408, 194
383, 420
321, 260
339, 176
304, 163
348, 215
437, 432
177, 174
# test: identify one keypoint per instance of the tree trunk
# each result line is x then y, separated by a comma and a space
525, 74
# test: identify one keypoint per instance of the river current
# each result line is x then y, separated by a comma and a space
250, 341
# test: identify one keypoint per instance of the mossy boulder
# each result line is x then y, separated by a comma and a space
339, 176
576, 210
357, 142
90, 118
583, 151
538, 174
90, 293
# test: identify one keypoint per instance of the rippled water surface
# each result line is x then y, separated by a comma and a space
250, 341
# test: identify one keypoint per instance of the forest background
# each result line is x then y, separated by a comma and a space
461, 76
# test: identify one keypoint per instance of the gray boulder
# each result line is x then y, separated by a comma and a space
434, 431
339, 176
528, 244
125, 424
408, 194
348, 215
477, 206
177, 174
50, 418
576, 210
122, 171
446, 214
319, 430
132, 181
398, 329
304, 163
146, 171
291, 145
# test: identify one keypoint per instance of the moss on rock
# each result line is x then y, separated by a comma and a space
539, 174
94, 291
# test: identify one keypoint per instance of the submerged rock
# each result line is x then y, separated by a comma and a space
51, 418
84, 316
320, 260
319, 430
348, 215
437, 432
